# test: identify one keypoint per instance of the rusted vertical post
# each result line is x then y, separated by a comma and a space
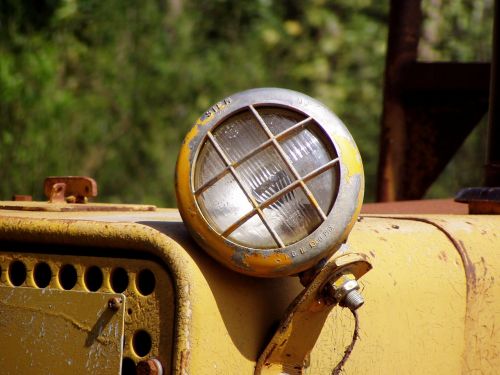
404, 32
492, 170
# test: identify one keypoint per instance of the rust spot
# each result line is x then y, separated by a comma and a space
470, 268
22, 198
149, 367
443, 256
76, 188
283, 343
319, 305
266, 361
260, 261
429, 206
483, 264
184, 360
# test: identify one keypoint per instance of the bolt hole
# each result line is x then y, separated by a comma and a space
93, 278
119, 280
17, 273
129, 311
141, 342
146, 282
42, 274
67, 277
128, 366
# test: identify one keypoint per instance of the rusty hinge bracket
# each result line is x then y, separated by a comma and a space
289, 348
69, 189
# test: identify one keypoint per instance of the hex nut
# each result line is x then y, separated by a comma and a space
344, 291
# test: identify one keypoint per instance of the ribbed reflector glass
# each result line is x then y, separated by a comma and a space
292, 217
239, 135
213, 165
254, 228
265, 174
224, 203
262, 161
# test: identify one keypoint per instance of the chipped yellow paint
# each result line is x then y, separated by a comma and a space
188, 206
349, 156
299, 329
351, 159
265, 264
185, 196
424, 313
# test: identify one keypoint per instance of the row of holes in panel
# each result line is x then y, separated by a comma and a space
93, 277
141, 344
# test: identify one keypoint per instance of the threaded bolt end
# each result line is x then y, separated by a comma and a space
353, 300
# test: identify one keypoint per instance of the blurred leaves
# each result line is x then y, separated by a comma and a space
109, 88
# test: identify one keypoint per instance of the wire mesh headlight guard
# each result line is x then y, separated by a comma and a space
269, 182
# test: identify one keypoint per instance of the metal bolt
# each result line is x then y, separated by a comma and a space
149, 367
353, 300
115, 303
345, 290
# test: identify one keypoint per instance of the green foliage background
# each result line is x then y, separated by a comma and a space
109, 88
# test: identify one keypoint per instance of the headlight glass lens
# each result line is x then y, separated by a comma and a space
265, 177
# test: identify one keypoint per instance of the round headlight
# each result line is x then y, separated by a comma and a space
269, 182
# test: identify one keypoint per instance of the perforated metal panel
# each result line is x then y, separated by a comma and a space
72, 280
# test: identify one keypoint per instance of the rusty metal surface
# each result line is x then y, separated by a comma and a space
430, 206
492, 167
404, 30
20, 197
481, 200
445, 78
76, 189
47, 331
149, 367
429, 109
